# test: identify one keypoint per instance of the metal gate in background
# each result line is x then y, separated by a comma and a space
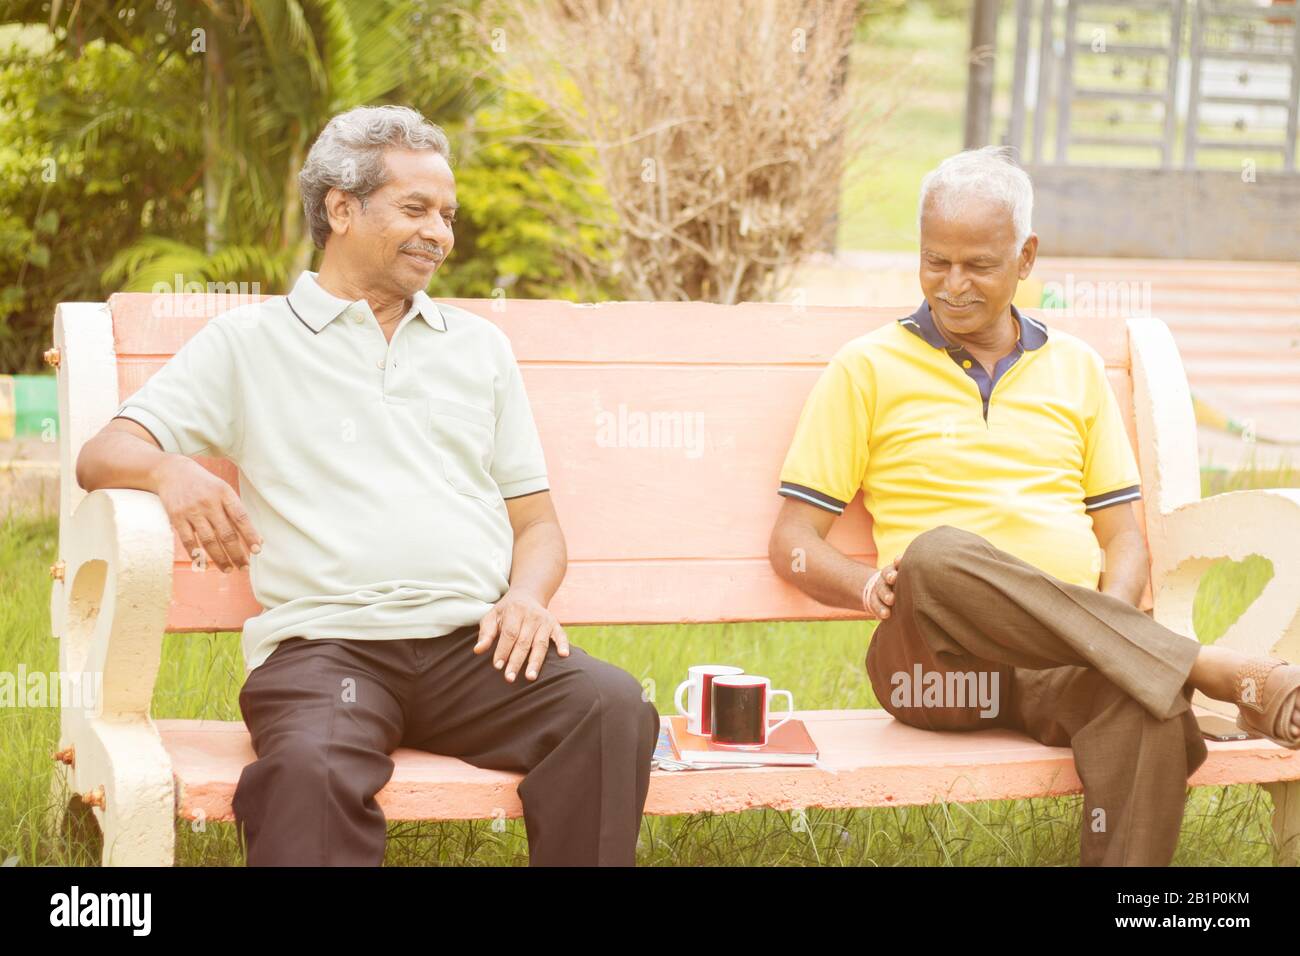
1169, 108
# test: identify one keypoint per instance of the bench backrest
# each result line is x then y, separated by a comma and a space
664, 426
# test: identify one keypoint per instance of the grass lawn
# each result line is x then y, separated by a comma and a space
822, 663
921, 60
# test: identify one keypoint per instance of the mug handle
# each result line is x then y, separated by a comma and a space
677, 696
789, 713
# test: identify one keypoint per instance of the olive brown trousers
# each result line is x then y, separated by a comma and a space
1070, 666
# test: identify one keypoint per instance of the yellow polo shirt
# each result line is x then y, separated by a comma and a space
1020, 457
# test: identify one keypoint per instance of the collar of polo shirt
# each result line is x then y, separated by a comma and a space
316, 308
1033, 334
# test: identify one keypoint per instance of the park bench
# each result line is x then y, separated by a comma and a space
664, 524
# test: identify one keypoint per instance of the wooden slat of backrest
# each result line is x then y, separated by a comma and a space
1237, 326
655, 534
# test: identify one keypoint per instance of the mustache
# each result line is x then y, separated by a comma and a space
428, 250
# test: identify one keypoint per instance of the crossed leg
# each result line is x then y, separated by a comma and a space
1134, 766
1072, 666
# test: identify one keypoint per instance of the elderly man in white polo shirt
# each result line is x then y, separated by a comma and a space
395, 519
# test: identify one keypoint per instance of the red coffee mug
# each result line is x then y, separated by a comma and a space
740, 717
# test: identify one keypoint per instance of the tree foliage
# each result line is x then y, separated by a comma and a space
177, 130
88, 149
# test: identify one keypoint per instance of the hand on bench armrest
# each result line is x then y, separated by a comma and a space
1233, 525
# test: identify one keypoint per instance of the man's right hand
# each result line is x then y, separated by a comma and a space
206, 511
880, 597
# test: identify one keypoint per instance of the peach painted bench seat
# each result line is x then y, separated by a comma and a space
661, 528
868, 759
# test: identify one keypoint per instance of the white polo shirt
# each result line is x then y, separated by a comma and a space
376, 472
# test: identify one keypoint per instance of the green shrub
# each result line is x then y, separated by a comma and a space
92, 157
533, 219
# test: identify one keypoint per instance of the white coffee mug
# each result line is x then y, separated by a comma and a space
697, 710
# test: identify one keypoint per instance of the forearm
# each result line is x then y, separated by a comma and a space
820, 570
120, 460
1124, 574
539, 561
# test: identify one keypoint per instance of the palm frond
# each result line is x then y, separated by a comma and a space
154, 263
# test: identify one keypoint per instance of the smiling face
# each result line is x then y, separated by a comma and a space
970, 265
404, 233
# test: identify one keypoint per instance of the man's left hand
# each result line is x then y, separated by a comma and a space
523, 628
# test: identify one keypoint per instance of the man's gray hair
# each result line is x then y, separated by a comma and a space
349, 155
991, 173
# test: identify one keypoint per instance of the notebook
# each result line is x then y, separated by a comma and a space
789, 746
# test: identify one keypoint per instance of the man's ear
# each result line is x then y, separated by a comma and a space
1028, 255
339, 207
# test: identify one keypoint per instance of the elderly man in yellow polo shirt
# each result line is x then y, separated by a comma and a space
395, 517
993, 459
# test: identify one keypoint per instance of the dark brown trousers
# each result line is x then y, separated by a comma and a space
325, 715
1073, 667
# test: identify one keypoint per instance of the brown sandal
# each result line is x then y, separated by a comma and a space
1266, 697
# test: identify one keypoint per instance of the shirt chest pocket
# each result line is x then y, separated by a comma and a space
464, 437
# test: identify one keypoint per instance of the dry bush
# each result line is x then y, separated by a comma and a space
720, 128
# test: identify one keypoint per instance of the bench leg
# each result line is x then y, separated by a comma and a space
1286, 820
122, 777
72, 821
139, 817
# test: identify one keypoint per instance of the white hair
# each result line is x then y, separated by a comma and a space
349, 155
991, 174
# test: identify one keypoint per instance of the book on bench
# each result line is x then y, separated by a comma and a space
789, 746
